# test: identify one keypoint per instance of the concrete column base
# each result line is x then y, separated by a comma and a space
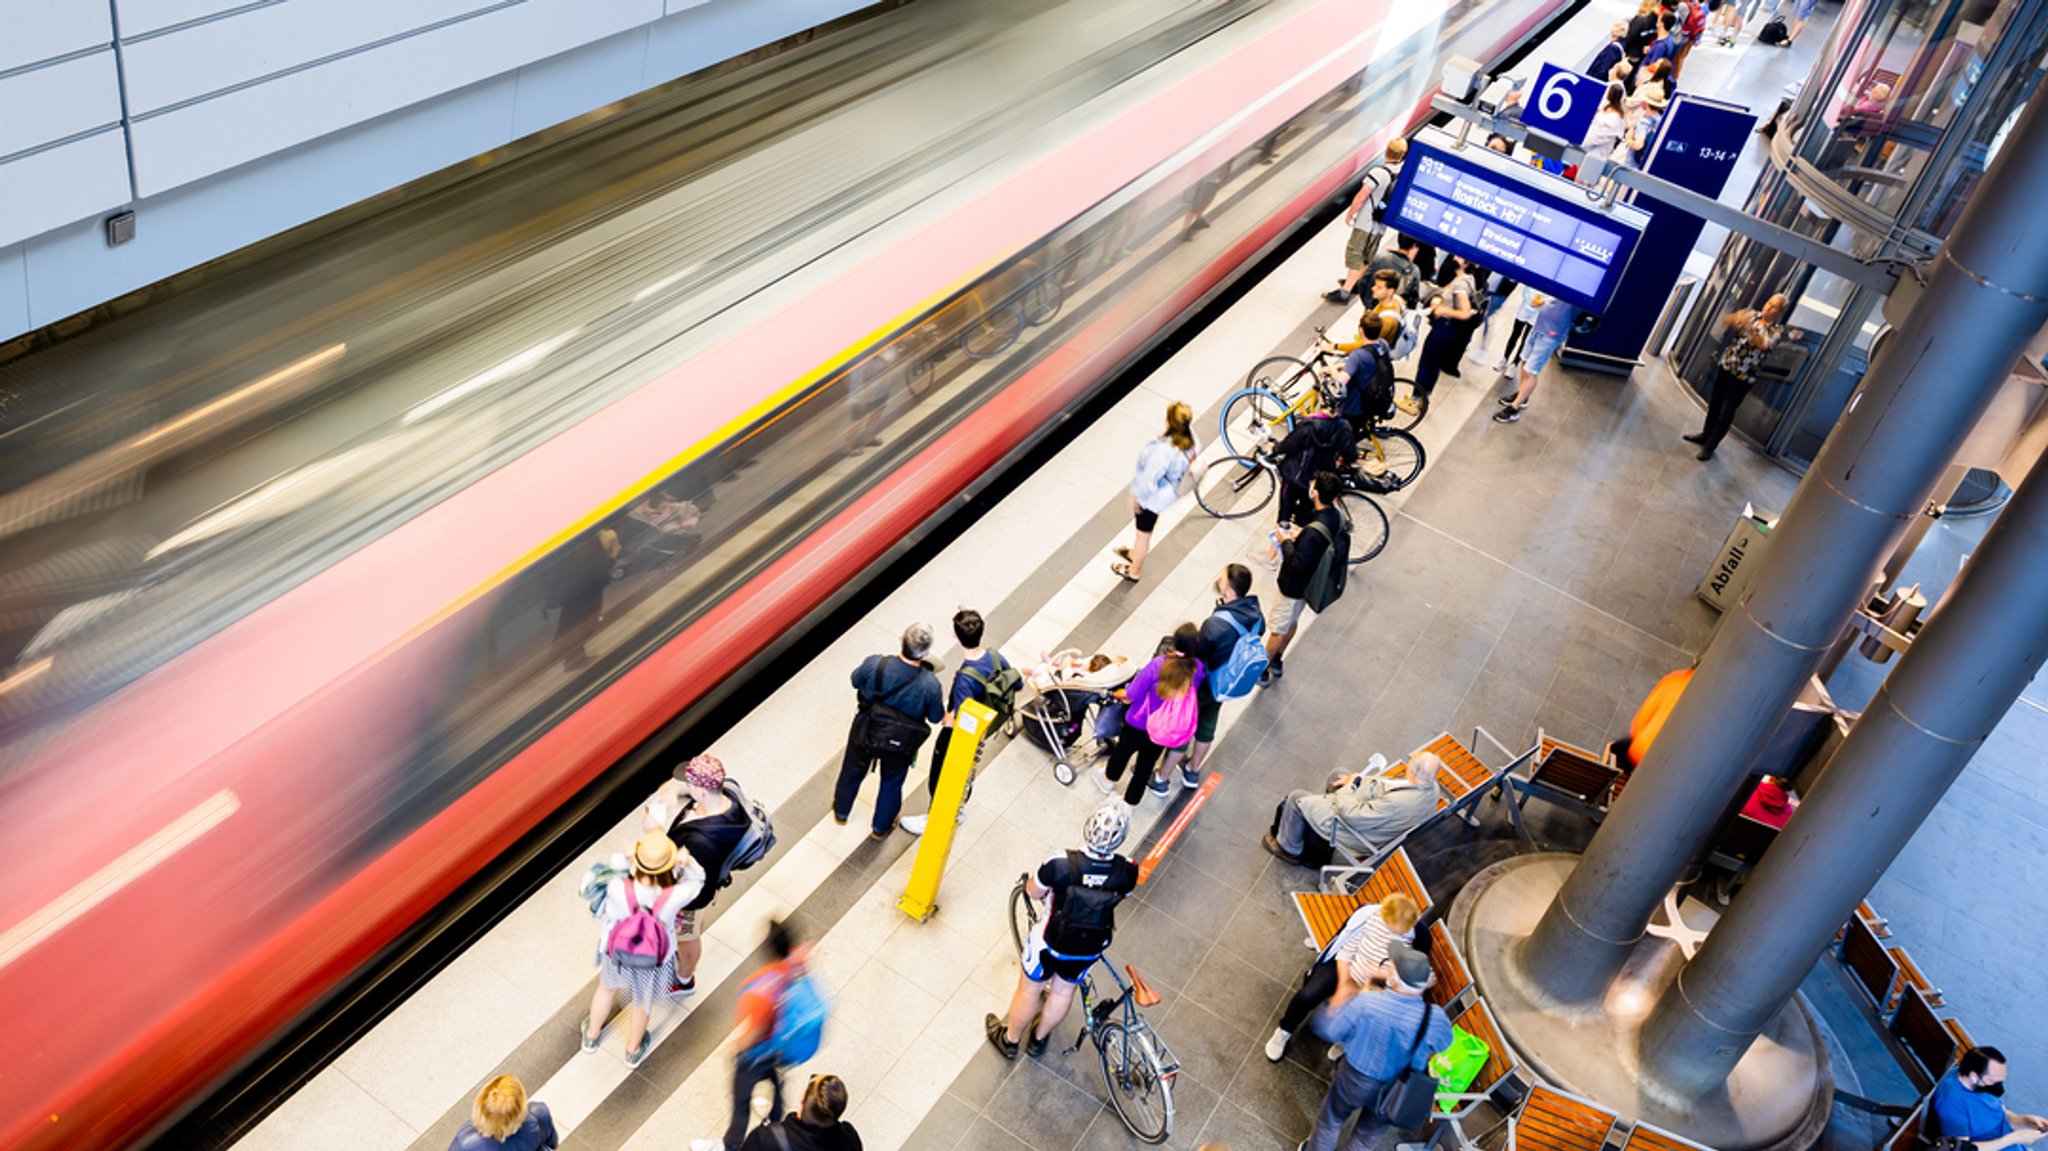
1778, 1097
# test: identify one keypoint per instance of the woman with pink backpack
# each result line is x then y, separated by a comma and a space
1164, 710
636, 951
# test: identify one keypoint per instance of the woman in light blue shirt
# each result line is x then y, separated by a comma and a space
1163, 466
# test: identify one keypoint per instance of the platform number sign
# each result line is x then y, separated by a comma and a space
1563, 103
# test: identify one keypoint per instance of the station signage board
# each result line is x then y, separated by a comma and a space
1512, 218
1563, 103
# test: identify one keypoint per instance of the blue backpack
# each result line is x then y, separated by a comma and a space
799, 1022
1240, 673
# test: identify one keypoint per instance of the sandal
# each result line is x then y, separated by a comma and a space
1124, 570
1121, 552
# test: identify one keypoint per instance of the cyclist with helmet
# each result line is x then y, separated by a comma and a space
1081, 890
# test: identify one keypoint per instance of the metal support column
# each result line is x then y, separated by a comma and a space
1986, 294
1978, 652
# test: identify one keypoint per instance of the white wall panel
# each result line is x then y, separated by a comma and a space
259, 42
13, 290
58, 100
566, 86
56, 186
141, 17
35, 30
212, 135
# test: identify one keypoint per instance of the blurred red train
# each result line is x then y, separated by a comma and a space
194, 859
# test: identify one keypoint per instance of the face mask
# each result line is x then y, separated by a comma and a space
1995, 1090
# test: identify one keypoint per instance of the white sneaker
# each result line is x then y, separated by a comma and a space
914, 824
1335, 1052
1276, 1047
1103, 783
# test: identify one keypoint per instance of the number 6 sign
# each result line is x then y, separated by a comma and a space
1563, 103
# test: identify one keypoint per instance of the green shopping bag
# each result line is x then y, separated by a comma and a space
1456, 1066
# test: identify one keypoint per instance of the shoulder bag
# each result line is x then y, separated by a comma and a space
1405, 1103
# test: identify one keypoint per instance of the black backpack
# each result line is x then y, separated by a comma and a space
1084, 916
1376, 398
1774, 31
1377, 201
1326, 582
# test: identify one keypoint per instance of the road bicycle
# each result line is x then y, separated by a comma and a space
1290, 376
1238, 486
1254, 419
1137, 1067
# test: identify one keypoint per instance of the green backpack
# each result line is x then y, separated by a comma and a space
998, 691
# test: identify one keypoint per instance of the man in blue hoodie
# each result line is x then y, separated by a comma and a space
1237, 612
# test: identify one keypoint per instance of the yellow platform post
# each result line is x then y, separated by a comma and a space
971, 725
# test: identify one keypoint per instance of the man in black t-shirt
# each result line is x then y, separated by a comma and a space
1080, 890
708, 825
1301, 549
903, 688
978, 666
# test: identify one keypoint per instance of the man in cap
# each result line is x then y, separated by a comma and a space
1381, 1032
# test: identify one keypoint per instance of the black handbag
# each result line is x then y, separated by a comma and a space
884, 732
1405, 1102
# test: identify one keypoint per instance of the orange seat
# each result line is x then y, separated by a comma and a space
1140, 989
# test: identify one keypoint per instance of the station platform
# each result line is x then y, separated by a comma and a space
1539, 577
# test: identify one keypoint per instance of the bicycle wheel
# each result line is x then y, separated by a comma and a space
1368, 525
1235, 487
1252, 417
1280, 375
1023, 912
1041, 301
994, 332
1140, 1092
1404, 389
1393, 454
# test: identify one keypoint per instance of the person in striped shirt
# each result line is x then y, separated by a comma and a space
1360, 945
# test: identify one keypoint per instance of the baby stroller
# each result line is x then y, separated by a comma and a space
1071, 701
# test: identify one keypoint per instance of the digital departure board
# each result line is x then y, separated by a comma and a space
1511, 218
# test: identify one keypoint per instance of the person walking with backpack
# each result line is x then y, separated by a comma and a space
709, 825
1312, 569
635, 952
1080, 891
1229, 643
1367, 217
1386, 1036
1163, 713
818, 1123
983, 675
1164, 474
781, 1024
899, 699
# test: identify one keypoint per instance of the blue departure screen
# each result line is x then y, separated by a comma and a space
1511, 218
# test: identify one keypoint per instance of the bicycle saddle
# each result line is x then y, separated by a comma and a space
1141, 990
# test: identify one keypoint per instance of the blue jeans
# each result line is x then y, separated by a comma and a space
1350, 1093
853, 768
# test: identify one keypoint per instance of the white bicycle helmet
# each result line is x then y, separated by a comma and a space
1105, 830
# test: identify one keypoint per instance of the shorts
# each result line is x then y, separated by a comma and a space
1287, 613
690, 925
1537, 352
1803, 10
1041, 965
1146, 520
1207, 709
1360, 249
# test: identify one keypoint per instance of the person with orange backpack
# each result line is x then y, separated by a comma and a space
781, 1024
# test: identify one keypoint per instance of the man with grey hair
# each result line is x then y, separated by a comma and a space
1382, 1033
1358, 814
899, 699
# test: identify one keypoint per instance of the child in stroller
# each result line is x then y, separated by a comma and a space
1072, 696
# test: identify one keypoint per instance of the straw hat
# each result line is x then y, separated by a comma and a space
654, 854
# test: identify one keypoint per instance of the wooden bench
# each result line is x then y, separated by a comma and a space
1929, 1045
1648, 1137
1955, 1028
1550, 1120
1909, 976
1907, 1136
1870, 964
1324, 912
1566, 775
1463, 776
1477, 1021
1452, 976
1879, 925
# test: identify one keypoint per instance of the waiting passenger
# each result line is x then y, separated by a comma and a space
983, 675
1320, 442
818, 1124
1361, 946
1772, 803
1750, 335
1163, 713
1302, 548
1358, 814
1453, 313
1401, 262
501, 1119
1366, 217
708, 826
1378, 1032
635, 953
899, 699
1235, 618
1165, 473
1969, 1104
